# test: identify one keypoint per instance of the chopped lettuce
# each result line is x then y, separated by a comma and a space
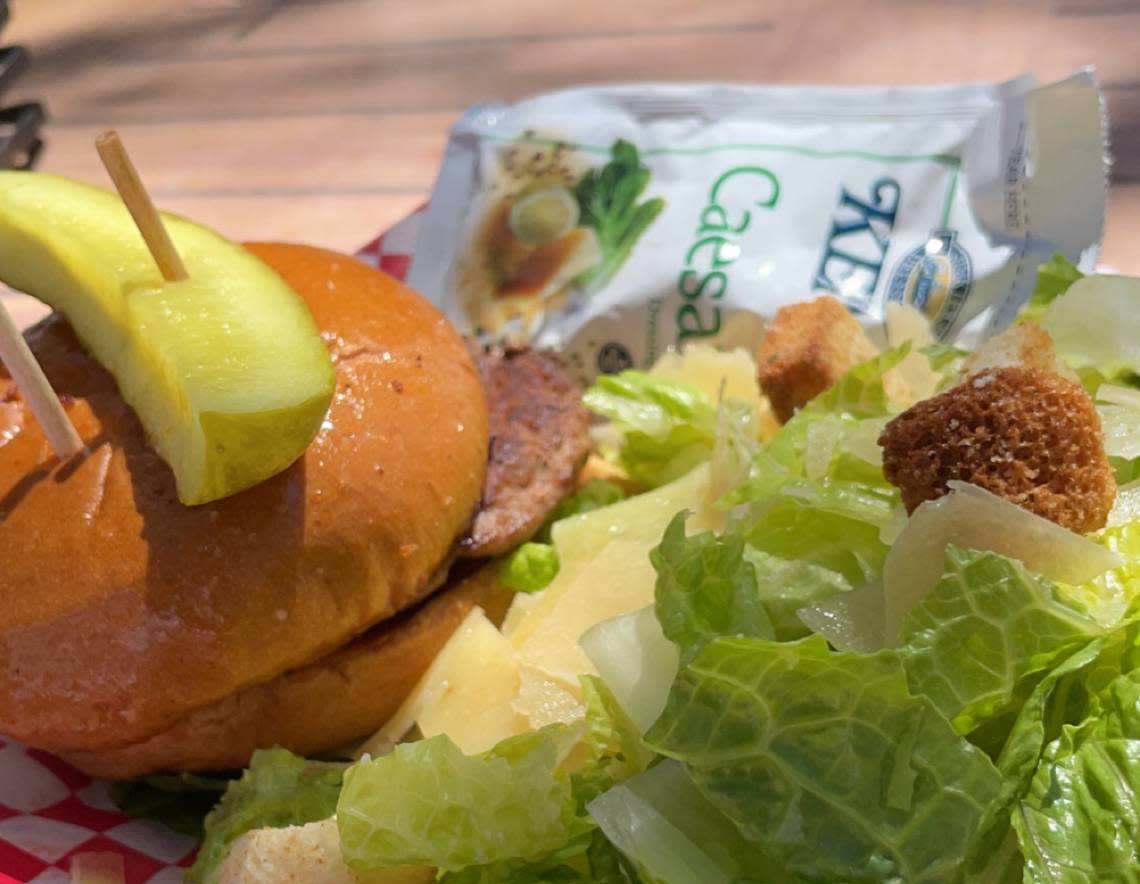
514, 813
1080, 818
278, 789
830, 523
826, 761
612, 744
589, 859
1053, 279
1109, 597
705, 588
994, 854
666, 426
787, 586
816, 497
710, 585
871, 502
428, 804
863, 390
797, 532
1096, 328
945, 358
985, 628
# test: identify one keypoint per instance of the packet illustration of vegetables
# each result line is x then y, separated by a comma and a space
616, 222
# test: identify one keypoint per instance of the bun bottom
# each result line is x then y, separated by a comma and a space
329, 704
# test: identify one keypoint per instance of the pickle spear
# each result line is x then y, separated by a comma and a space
226, 370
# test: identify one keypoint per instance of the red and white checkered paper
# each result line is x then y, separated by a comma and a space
50, 812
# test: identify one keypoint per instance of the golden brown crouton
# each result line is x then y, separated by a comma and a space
805, 350
1025, 434
1026, 344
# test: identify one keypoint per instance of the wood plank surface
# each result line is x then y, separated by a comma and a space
324, 120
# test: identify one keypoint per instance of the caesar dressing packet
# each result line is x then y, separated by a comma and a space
615, 222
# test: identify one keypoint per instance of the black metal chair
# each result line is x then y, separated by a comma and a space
20, 124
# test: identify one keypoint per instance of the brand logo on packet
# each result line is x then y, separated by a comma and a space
935, 278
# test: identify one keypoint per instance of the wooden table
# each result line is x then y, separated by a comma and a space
324, 120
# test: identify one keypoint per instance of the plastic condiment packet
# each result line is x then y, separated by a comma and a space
615, 222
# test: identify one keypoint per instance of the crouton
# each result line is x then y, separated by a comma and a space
1024, 434
805, 350
1026, 344
308, 854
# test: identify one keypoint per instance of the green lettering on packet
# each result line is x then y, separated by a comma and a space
701, 283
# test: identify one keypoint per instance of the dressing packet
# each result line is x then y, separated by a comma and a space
615, 222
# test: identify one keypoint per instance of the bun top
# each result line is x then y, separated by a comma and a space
124, 609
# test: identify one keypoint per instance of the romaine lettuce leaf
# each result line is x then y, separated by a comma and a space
706, 588
1066, 695
873, 502
861, 391
711, 585
588, 859
428, 804
278, 789
799, 532
609, 750
1109, 597
1096, 327
994, 855
514, 813
1053, 279
787, 586
666, 426
988, 625
825, 761
1080, 819
816, 495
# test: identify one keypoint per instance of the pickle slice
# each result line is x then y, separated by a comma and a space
226, 370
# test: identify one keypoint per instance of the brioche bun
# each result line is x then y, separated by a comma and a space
125, 611
332, 702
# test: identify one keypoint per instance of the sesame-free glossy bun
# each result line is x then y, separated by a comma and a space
124, 610
328, 704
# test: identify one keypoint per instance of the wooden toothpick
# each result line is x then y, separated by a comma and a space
138, 202
33, 384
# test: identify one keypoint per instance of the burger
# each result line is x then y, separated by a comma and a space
142, 635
